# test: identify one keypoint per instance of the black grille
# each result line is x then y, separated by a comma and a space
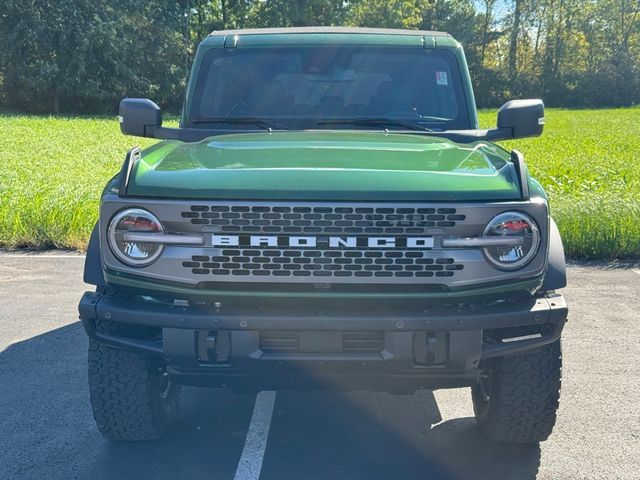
362, 342
264, 262
275, 341
352, 342
322, 220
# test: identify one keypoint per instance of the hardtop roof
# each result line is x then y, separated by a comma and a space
320, 30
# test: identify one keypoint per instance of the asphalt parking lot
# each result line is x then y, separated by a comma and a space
47, 431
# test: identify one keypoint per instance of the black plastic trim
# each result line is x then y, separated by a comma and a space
393, 370
253, 382
523, 176
141, 346
556, 322
93, 273
128, 309
256, 287
556, 275
185, 134
129, 163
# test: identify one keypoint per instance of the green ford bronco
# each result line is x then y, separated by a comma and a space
327, 215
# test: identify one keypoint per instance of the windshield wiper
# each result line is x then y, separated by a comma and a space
374, 121
260, 122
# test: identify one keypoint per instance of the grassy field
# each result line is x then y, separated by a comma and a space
52, 170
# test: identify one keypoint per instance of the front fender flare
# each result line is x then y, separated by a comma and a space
93, 274
556, 274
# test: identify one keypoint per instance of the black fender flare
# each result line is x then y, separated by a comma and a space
93, 274
556, 275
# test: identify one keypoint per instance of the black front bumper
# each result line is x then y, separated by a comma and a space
224, 344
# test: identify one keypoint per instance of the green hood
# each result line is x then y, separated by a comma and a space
325, 165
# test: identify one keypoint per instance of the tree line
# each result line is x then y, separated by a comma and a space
83, 56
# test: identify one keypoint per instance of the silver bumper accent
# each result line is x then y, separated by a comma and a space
478, 242
164, 238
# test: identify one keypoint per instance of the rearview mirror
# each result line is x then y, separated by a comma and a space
141, 117
521, 118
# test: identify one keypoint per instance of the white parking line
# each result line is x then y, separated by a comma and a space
255, 443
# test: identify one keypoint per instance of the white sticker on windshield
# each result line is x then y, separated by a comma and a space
441, 78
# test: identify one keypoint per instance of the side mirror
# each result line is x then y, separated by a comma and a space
138, 116
521, 118
143, 118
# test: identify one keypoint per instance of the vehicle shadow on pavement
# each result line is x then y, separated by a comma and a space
47, 430
205, 442
370, 436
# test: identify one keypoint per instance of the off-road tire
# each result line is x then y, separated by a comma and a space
131, 396
517, 399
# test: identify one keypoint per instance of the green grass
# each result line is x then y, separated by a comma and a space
52, 170
588, 161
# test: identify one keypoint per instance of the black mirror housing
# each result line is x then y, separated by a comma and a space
139, 117
523, 118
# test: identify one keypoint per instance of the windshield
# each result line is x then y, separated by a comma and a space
332, 87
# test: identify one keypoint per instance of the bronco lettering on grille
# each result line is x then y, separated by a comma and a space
327, 242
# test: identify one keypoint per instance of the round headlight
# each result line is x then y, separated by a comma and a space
134, 253
512, 224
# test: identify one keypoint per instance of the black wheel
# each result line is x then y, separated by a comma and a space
517, 396
132, 397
